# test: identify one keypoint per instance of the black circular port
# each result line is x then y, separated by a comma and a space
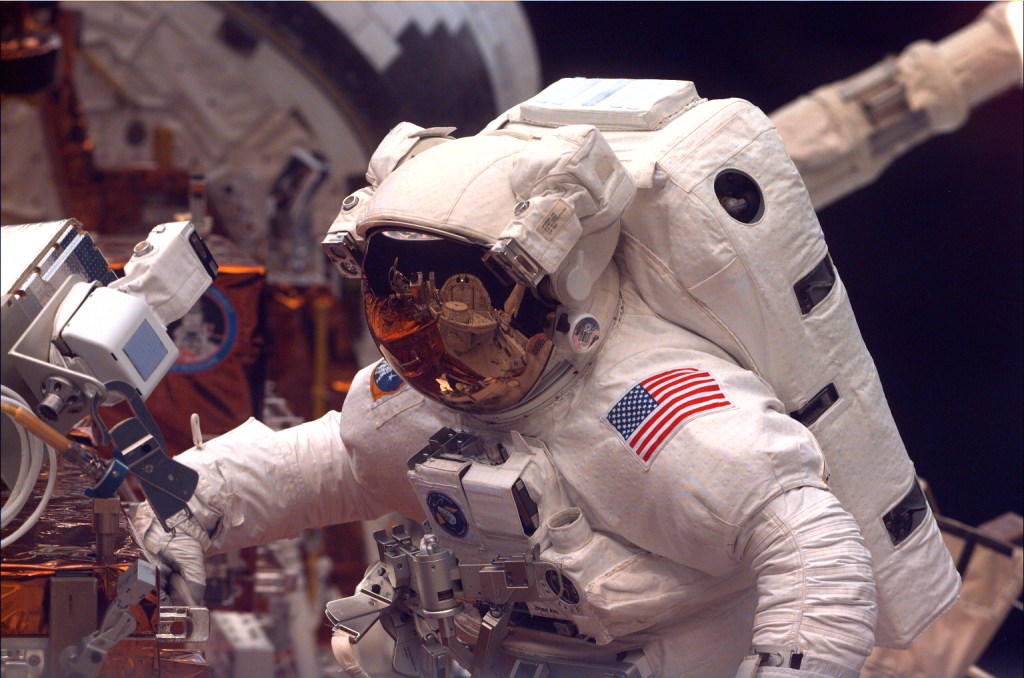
739, 195
135, 133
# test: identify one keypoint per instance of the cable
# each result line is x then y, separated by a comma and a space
26, 482
18, 497
31, 462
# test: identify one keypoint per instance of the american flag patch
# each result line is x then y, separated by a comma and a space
654, 409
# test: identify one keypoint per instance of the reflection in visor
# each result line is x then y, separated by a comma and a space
454, 343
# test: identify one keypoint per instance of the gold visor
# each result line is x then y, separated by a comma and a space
450, 327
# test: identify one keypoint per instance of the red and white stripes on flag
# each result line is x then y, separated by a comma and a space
654, 409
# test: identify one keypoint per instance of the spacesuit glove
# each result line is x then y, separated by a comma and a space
178, 553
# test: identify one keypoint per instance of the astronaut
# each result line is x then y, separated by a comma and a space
690, 512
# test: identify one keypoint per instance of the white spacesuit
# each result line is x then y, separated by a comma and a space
688, 514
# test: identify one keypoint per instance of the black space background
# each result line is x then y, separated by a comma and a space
931, 253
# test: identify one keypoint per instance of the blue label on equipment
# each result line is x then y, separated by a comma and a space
447, 514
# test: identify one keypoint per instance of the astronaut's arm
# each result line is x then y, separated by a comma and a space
257, 485
816, 591
262, 484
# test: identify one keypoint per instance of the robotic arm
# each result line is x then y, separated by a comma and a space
76, 338
86, 659
842, 136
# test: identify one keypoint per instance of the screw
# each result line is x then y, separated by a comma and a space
430, 543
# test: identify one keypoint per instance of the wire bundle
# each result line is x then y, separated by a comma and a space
33, 452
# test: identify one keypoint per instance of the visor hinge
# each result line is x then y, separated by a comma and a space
344, 252
514, 262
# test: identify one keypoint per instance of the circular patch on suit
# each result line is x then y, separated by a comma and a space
585, 334
448, 514
386, 379
564, 589
205, 334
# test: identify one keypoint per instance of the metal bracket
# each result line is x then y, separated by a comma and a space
23, 657
344, 252
493, 630
85, 658
511, 259
73, 612
183, 624
356, 614
448, 444
30, 355
140, 446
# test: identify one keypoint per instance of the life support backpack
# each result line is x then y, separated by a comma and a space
722, 240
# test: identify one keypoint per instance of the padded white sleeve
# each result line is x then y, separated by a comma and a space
257, 485
816, 588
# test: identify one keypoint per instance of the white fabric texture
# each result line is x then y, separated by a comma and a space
571, 184
707, 533
690, 509
736, 283
576, 166
460, 187
814, 580
391, 151
809, 670
169, 277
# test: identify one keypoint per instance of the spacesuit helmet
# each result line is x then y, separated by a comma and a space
475, 254
448, 324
